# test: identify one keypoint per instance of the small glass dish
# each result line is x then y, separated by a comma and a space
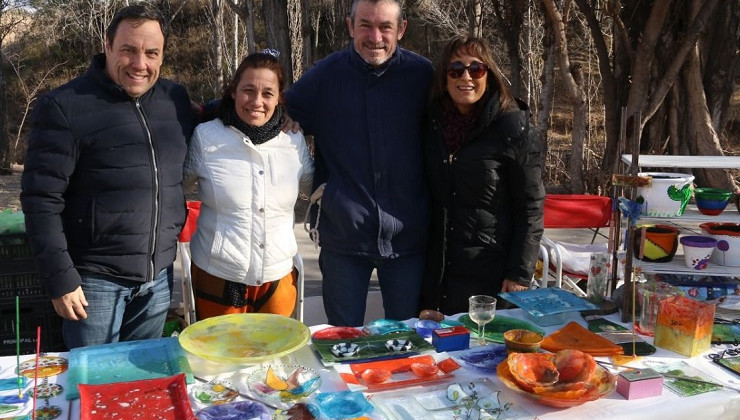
283, 385
399, 344
342, 404
344, 349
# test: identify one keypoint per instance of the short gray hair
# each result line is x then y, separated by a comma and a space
399, 3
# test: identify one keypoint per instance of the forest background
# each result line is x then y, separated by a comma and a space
598, 75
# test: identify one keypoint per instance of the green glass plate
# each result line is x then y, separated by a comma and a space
372, 347
495, 330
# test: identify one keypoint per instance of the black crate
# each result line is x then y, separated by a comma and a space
18, 276
33, 313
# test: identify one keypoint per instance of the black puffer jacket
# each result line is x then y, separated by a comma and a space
487, 201
101, 189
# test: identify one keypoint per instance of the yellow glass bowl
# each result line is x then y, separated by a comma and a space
244, 338
522, 341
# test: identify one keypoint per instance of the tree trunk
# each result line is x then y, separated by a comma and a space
295, 25
217, 37
475, 18
699, 133
278, 32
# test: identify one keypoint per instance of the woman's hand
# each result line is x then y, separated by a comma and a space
512, 286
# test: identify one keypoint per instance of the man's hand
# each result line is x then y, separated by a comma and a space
291, 125
72, 305
512, 286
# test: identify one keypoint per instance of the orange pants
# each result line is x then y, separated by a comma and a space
276, 297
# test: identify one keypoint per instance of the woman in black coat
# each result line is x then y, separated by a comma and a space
484, 171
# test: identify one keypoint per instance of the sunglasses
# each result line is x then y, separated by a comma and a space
476, 70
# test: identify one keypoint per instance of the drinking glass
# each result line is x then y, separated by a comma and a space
481, 309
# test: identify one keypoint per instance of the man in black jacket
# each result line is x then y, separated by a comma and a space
101, 189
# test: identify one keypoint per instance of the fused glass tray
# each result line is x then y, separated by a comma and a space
168, 397
434, 403
540, 303
125, 361
249, 338
371, 347
495, 329
483, 358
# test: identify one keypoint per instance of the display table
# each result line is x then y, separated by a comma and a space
724, 403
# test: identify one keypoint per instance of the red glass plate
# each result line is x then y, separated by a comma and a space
168, 397
337, 333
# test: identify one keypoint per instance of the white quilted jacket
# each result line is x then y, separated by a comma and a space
245, 227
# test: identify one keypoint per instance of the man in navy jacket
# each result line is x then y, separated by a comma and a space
101, 189
364, 107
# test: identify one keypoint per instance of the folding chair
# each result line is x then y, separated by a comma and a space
569, 262
183, 245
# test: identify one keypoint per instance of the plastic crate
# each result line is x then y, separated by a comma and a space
18, 276
33, 313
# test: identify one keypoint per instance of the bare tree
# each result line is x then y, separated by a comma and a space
572, 77
12, 16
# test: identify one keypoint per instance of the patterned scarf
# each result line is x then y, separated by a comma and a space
457, 126
257, 135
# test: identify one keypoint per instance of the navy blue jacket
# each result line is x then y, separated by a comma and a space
101, 188
367, 124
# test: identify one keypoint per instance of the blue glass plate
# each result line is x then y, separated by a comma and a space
343, 404
547, 301
385, 326
484, 358
125, 361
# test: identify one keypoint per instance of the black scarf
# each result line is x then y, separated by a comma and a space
257, 135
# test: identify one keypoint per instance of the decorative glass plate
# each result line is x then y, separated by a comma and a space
337, 333
244, 338
283, 385
239, 410
125, 361
434, 403
214, 392
495, 329
548, 301
168, 397
385, 326
371, 347
342, 405
603, 381
483, 358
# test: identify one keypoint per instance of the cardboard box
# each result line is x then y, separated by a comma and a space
450, 339
639, 383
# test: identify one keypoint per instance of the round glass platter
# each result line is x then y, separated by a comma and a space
244, 338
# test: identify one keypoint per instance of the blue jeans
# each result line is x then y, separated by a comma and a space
346, 279
120, 310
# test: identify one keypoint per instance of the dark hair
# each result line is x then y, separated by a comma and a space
475, 47
138, 12
399, 3
260, 60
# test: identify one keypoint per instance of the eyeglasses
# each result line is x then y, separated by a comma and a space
476, 70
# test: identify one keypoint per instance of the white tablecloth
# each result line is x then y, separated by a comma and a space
724, 404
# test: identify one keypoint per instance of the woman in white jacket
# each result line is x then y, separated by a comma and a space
249, 175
